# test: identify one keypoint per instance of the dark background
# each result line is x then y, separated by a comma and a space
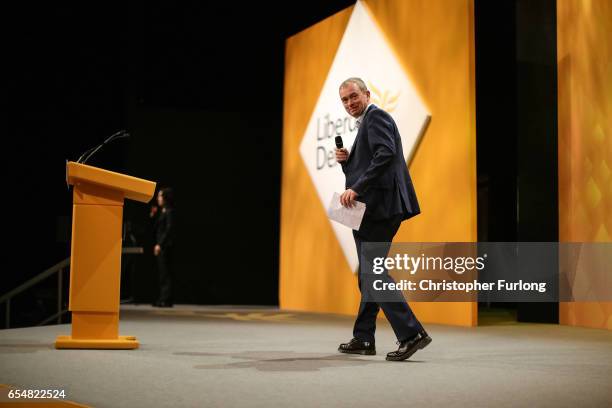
516, 128
199, 85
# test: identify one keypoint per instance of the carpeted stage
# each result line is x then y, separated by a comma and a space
196, 356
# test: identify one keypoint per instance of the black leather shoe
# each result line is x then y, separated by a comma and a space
356, 346
408, 347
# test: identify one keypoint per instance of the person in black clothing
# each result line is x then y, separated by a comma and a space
164, 225
128, 264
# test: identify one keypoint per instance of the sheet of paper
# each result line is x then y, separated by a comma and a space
351, 217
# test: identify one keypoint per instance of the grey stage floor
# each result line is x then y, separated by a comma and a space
195, 356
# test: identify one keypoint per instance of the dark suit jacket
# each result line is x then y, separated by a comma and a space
164, 228
376, 169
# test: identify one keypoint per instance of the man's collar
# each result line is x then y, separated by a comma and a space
360, 117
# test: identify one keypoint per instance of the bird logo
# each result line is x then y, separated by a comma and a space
385, 100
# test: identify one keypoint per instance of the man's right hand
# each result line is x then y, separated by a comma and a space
341, 154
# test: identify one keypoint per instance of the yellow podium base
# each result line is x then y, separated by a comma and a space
122, 343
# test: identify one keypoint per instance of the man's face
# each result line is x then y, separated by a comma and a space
354, 99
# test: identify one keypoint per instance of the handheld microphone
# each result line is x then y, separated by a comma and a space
339, 143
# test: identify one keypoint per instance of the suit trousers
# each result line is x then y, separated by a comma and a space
164, 269
398, 312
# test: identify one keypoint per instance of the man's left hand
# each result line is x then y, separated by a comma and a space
347, 199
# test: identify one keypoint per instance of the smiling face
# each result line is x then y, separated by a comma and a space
354, 100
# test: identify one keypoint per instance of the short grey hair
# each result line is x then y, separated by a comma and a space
354, 80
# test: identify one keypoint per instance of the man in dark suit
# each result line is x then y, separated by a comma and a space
376, 174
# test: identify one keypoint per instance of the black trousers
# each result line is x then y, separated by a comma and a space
165, 275
398, 313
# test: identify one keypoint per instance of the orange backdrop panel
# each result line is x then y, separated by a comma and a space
435, 43
584, 52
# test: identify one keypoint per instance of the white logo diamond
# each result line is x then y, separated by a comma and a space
363, 52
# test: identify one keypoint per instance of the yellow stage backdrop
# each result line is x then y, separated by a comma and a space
584, 53
434, 41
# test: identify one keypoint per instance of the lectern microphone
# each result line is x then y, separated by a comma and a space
87, 155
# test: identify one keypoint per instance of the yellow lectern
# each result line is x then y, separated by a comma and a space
95, 259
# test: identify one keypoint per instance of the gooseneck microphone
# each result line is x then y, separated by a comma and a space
87, 155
